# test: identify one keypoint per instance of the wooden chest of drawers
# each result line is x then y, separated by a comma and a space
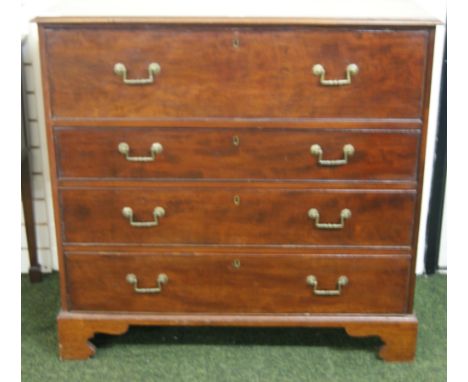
236, 172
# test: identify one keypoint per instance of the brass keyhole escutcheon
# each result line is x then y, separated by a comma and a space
236, 200
236, 140
236, 263
235, 42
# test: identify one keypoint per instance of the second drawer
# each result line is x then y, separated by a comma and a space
238, 216
220, 153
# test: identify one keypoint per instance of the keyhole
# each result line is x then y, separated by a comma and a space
236, 200
235, 42
236, 263
235, 140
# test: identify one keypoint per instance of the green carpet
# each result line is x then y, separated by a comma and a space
230, 354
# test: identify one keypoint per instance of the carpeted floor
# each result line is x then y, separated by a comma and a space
230, 354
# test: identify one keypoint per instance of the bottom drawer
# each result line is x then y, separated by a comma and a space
237, 283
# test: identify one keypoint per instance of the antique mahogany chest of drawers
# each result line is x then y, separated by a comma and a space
241, 172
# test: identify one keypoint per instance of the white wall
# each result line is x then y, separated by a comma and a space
41, 191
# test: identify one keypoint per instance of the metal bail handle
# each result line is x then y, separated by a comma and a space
155, 149
348, 151
153, 69
314, 214
319, 70
161, 280
313, 282
158, 212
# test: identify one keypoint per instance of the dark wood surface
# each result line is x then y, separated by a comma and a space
204, 75
317, 184
241, 123
118, 249
199, 215
209, 90
261, 153
397, 332
261, 283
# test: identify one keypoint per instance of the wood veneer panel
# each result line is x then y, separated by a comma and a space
261, 284
209, 216
204, 75
261, 154
391, 91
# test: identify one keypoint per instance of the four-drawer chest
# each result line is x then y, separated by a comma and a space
236, 172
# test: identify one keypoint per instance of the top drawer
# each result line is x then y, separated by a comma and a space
225, 71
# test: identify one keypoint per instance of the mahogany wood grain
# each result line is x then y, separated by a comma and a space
398, 332
198, 215
261, 184
118, 249
241, 123
204, 75
399, 339
73, 335
212, 154
263, 85
261, 283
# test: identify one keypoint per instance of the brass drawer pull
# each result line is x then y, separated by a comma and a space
319, 70
315, 215
348, 151
341, 282
158, 212
155, 149
121, 71
161, 280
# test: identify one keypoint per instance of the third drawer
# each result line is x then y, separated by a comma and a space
220, 153
237, 216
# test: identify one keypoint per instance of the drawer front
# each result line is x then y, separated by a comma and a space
237, 283
237, 216
197, 153
214, 71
